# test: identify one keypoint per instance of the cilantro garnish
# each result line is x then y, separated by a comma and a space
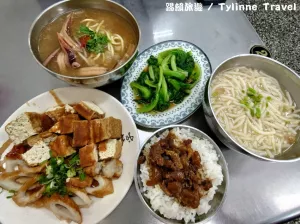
97, 43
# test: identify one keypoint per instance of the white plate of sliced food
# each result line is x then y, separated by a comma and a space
67, 154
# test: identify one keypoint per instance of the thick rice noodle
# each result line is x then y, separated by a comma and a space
270, 134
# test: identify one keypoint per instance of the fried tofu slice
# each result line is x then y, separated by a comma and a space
111, 148
64, 208
112, 168
76, 182
111, 128
25, 126
103, 129
46, 137
93, 170
88, 155
103, 187
95, 131
81, 133
59, 111
89, 110
61, 146
65, 124
38, 153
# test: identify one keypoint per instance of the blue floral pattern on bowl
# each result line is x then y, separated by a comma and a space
180, 111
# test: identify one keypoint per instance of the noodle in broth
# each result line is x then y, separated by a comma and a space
87, 42
255, 110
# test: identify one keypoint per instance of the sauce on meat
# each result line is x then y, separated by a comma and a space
176, 167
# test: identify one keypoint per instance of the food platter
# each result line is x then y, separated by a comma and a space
10, 213
179, 112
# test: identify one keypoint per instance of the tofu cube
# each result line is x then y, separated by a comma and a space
61, 146
37, 154
65, 124
111, 148
46, 137
103, 129
88, 155
81, 133
89, 110
111, 128
24, 126
95, 131
57, 112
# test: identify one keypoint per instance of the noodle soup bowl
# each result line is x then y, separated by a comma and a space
67, 6
286, 77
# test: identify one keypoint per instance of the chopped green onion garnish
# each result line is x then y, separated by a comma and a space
258, 113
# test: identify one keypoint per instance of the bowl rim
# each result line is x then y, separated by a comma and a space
227, 134
220, 157
76, 77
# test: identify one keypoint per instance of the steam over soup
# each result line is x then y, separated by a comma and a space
88, 42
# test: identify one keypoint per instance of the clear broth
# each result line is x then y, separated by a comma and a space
113, 23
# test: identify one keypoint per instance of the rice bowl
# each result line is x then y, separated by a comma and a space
168, 208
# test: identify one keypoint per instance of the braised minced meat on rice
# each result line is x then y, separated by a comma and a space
180, 174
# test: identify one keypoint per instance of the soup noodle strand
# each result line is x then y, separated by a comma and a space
264, 120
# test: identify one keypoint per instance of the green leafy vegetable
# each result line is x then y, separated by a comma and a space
170, 78
144, 91
142, 78
189, 63
151, 72
173, 63
85, 30
164, 90
172, 74
97, 42
152, 60
150, 83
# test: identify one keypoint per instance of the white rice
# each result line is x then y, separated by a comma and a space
168, 206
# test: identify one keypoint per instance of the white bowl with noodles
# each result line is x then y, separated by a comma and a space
166, 208
101, 207
251, 104
114, 16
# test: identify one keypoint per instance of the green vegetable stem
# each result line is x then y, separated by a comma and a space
170, 77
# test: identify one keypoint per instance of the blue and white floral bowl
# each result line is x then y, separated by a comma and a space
180, 111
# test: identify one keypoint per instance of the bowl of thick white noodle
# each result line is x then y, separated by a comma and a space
251, 103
